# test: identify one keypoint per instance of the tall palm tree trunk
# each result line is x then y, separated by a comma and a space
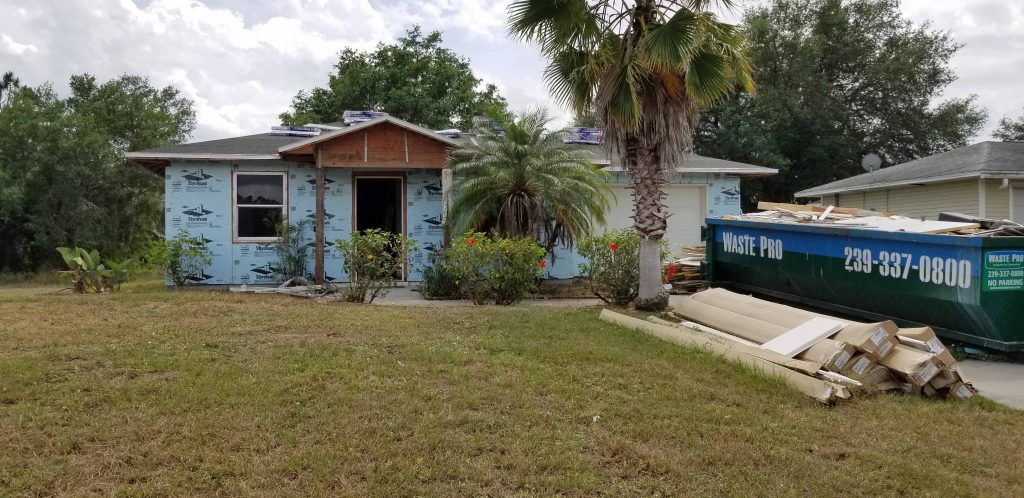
647, 179
646, 66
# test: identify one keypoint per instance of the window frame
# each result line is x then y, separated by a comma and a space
235, 205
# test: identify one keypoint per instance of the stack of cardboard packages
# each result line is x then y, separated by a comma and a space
880, 355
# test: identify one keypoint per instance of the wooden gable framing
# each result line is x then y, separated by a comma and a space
383, 143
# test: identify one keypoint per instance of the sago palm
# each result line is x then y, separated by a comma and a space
524, 181
647, 67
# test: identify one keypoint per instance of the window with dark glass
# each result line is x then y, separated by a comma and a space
260, 200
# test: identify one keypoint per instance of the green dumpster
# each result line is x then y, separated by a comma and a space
969, 289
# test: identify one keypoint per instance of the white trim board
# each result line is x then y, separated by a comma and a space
803, 336
1016, 191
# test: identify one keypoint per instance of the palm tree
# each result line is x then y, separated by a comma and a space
647, 67
522, 180
7, 86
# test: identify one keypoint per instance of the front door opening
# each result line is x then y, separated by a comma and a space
379, 204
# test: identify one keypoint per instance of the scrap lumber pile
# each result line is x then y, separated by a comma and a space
876, 356
774, 212
800, 374
684, 273
297, 287
989, 227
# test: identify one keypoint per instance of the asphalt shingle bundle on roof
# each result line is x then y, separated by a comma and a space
991, 159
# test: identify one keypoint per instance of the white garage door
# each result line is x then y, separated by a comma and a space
685, 202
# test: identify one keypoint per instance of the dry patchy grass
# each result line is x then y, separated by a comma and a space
154, 392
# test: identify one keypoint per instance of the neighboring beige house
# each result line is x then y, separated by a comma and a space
984, 179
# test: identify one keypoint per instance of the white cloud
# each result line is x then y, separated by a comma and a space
242, 61
7, 44
480, 18
992, 58
241, 69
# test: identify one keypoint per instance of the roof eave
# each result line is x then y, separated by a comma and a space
750, 172
200, 156
902, 183
746, 172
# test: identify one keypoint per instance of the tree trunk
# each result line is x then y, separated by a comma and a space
650, 218
652, 296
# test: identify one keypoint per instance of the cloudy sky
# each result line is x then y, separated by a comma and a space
241, 61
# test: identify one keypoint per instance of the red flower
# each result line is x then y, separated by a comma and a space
471, 241
671, 271
613, 246
543, 264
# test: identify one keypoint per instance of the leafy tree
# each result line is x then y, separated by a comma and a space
63, 179
1010, 130
524, 181
415, 79
838, 79
647, 67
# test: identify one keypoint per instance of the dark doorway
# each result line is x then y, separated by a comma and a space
379, 204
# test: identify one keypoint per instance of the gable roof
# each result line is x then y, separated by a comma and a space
985, 159
362, 126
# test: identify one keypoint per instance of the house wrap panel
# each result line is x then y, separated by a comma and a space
197, 200
423, 212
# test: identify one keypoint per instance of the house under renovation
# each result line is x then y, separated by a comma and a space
370, 171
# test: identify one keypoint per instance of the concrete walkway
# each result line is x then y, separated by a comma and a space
404, 296
1002, 382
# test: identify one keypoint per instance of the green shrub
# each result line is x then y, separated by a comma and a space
439, 279
185, 257
291, 248
502, 270
613, 265
90, 274
155, 257
374, 259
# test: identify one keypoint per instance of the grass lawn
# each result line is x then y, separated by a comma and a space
150, 392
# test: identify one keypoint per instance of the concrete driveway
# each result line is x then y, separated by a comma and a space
1003, 382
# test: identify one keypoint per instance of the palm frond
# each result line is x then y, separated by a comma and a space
526, 182
709, 77
670, 45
